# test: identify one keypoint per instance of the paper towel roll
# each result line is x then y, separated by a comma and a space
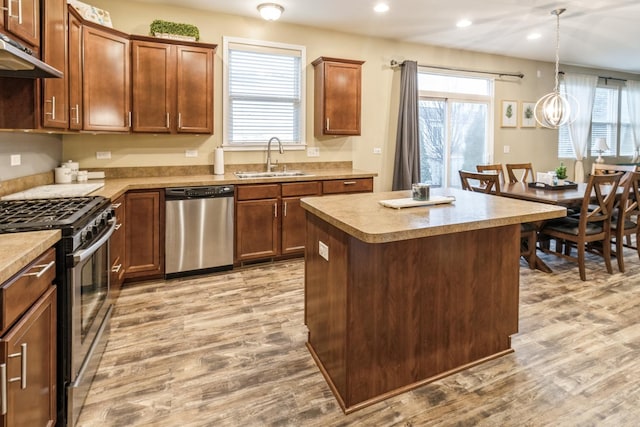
218, 161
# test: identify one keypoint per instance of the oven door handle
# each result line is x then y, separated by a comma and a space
84, 254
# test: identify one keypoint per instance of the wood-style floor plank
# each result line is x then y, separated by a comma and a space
229, 349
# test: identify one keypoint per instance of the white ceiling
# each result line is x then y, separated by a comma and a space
594, 33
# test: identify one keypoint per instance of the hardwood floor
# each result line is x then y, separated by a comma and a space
229, 350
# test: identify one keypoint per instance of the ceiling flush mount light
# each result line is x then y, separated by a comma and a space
381, 8
463, 23
555, 109
270, 11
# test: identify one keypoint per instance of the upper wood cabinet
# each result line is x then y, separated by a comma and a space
55, 108
337, 96
75, 71
22, 19
106, 81
172, 86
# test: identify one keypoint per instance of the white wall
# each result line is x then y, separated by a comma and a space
38, 153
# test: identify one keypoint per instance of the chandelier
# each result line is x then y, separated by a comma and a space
556, 109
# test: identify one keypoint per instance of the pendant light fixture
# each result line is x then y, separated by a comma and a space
556, 109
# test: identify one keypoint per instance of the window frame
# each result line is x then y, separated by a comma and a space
262, 47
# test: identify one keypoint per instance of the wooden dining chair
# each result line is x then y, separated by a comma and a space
520, 172
592, 224
480, 182
603, 168
490, 183
624, 223
495, 168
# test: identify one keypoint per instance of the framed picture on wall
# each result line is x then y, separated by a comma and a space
509, 114
527, 119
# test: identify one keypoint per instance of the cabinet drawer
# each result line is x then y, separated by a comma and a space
254, 192
355, 185
301, 189
20, 292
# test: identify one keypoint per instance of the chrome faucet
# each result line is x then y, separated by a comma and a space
269, 166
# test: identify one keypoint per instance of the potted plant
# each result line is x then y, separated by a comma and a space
174, 30
561, 173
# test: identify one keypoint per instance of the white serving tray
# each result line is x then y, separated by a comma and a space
410, 203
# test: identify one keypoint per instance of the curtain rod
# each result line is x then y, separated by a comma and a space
395, 63
605, 78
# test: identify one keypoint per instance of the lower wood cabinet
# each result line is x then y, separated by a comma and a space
28, 345
270, 221
144, 234
117, 247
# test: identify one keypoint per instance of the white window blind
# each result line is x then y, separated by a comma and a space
264, 93
609, 120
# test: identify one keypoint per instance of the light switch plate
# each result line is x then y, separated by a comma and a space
103, 155
313, 152
323, 250
16, 160
506, 149
377, 150
191, 153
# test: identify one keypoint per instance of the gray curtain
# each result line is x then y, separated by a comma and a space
406, 169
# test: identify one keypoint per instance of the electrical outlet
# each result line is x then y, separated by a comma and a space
103, 155
16, 160
191, 153
323, 250
313, 152
377, 150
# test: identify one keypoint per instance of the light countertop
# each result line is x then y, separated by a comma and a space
17, 250
362, 216
113, 188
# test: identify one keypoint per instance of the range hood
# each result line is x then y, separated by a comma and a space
17, 63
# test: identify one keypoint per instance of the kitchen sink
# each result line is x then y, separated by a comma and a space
255, 174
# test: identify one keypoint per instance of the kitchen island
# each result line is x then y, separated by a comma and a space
396, 298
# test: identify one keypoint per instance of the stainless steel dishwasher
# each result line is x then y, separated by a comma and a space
199, 230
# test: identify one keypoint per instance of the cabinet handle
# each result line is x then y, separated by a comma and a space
43, 267
77, 114
116, 268
53, 108
284, 208
275, 210
349, 183
3, 388
327, 123
23, 366
116, 205
129, 118
179, 120
20, 12
168, 122
117, 227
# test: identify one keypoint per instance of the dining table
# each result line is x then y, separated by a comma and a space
570, 197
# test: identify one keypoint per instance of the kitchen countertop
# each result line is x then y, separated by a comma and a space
113, 188
362, 216
17, 250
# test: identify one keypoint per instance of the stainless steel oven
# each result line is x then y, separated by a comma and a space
88, 274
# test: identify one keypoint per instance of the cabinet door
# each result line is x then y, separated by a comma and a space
153, 70
256, 229
144, 234
293, 226
23, 20
106, 80
195, 90
55, 91
28, 353
117, 247
75, 72
337, 96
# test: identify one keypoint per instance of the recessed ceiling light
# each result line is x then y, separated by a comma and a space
381, 8
463, 23
534, 36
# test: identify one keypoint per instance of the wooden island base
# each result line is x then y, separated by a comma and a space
385, 318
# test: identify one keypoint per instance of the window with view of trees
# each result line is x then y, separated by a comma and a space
454, 126
609, 120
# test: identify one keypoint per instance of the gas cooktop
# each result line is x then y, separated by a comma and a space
40, 214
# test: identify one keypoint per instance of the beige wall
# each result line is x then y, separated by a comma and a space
379, 96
